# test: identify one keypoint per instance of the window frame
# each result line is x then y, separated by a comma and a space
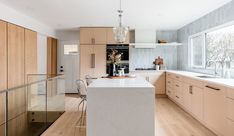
203, 51
203, 33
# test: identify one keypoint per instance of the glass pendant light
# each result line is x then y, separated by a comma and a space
120, 31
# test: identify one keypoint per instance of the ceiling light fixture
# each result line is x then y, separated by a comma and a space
120, 31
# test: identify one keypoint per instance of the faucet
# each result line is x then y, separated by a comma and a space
215, 68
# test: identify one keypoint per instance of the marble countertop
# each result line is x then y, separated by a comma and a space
137, 82
216, 80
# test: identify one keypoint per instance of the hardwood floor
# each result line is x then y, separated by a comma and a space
170, 120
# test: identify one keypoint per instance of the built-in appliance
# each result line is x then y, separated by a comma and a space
121, 48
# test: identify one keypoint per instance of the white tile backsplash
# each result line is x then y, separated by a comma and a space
143, 58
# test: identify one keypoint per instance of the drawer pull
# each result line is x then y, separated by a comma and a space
217, 89
177, 77
169, 82
177, 86
177, 97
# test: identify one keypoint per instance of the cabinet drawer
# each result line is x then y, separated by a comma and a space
230, 93
169, 75
230, 108
169, 82
230, 127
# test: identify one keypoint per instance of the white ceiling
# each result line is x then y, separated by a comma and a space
141, 14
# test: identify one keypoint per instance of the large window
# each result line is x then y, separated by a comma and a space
213, 48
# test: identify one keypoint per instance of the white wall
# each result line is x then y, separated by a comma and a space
12, 16
41, 54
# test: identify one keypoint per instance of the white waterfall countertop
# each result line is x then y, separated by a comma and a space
121, 83
120, 107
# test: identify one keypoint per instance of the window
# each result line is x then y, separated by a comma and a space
212, 48
198, 51
70, 49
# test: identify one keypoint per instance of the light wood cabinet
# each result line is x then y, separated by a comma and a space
111, 37
86, 68
92, 60
93, 35
183, 91
214, 107
3, 71
229, 127
15, 56
16, 70
30, 52
187, 93
156, 78
100, 60
51, 56
3, 55
197, 102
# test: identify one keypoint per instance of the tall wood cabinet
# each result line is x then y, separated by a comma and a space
30, 52
92, 60
16, 69
52, 56
93, 42
93, 35
3, 72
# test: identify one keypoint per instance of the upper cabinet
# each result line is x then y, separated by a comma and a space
98, 36
111, 37
91, 36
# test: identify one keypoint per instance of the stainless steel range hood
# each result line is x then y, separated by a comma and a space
143, 38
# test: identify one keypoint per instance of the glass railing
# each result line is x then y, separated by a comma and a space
30, 109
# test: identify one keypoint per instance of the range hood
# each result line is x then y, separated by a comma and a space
143, 38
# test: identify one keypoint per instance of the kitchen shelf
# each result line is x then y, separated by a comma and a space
168, 44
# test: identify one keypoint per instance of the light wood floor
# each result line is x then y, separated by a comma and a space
170, 120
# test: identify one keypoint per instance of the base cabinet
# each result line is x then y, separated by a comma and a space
197, 102
230, 127
156, 78
214, 107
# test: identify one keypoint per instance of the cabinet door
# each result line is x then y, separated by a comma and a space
3, 55
30, 52
15, 56
86, 60
51, 56
197, 102
3, 70
16, 68
99, 35
230, 127
86, 36
100, 60
158, 80
214, 107
187, 96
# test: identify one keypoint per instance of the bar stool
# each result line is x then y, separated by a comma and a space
89, 79
82, 92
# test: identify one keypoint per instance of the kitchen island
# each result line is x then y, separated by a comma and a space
121, 107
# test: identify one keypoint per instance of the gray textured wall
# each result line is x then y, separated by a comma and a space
218, 17
169, 36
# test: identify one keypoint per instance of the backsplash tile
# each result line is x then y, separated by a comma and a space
143, 58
